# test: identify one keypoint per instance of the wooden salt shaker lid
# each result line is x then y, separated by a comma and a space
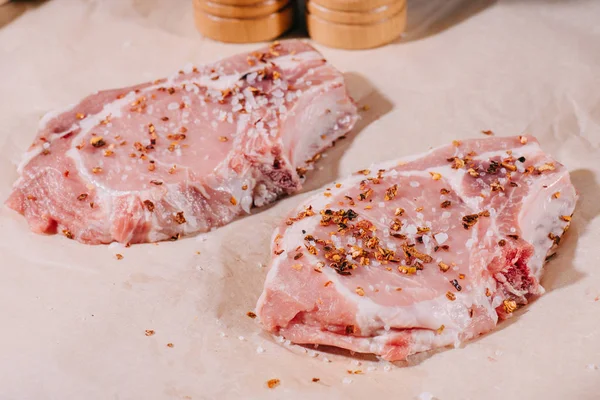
243, 21
355, 28
224, 10
353, 5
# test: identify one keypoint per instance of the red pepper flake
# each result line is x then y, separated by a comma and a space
461, 276
456, 143
82, 196
398, 211
451, 296
364, 171
509, 306
151, 166
97, 170
423, 229
316, 379
446, 204
278, 252
556, 195
443, 266
119, 256
456, 285
411, 251
440, 330
67, 234
508, 166
457, 163
157, 183
496, 187
170, 345
328, 283
223, 139
473, 172
488, 133
565, 218
251, 314
360, 291
523, 139
97, 141
80, 116
391, 192
149, 332
365, 195
502, 243
298, 256
233, 201
180, 218
546, 167
273, 383
176, 136
435, 176
149, 205
469, 220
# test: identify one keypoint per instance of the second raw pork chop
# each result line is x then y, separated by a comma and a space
184, 154
421, 253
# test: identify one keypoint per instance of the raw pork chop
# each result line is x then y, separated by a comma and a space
419, 253
184, 154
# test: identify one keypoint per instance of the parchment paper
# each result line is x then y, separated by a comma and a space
73, 317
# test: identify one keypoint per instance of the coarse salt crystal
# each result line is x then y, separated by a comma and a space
347, 381
241, 338
414, 184
440, 237
260, 350
172, 106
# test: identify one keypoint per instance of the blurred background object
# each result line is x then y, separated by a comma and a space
355, 24
243, 21
9, 10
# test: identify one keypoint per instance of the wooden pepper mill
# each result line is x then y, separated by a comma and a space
243, 21
355, 24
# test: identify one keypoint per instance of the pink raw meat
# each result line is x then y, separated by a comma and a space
419, 253
184, 154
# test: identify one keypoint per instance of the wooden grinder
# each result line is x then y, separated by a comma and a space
355, 24
243, 21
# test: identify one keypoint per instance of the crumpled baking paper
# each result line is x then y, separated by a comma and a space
74, 318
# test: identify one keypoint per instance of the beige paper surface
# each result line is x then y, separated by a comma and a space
73, 317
